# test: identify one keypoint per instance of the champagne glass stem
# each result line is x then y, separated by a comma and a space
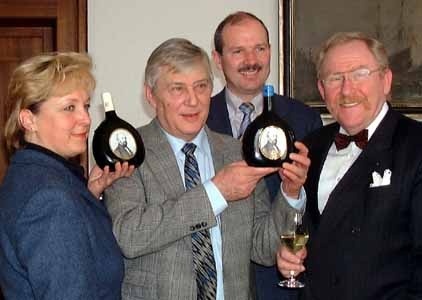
292, 279
291, 282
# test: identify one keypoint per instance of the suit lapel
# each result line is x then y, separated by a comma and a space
318, 154
230, 216
218, 118
280, 108
217, 149
160, 157
352, 189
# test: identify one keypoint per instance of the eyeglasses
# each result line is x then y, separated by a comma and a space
355, 76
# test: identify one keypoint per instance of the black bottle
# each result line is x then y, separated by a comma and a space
268, 140
116, 140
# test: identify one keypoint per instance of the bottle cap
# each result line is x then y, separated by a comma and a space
268, 90
107, 101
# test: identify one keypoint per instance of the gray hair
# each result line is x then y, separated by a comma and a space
176, 55
374, 46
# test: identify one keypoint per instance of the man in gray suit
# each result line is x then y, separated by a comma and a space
156, 219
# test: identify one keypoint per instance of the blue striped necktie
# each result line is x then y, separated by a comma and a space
247, 108
203, 258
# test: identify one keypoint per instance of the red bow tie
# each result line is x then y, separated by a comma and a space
360, 139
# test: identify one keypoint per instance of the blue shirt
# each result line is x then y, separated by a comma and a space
218, 203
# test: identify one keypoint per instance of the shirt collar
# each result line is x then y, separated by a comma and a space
177, 143
234, 102
375, 123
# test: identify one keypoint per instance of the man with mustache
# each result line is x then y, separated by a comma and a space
242, 52
193, 215
364, 186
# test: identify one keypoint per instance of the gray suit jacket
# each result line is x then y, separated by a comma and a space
154, 217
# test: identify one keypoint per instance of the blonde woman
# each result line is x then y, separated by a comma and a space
55, 236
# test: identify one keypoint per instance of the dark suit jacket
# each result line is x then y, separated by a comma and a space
300, 117
154, 217
56, 240
303, 120
367, 244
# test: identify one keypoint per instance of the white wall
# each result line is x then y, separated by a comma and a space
122, 34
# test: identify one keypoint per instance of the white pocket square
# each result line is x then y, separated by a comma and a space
378, 180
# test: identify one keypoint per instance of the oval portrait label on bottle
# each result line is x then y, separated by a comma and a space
273, 143
122, 143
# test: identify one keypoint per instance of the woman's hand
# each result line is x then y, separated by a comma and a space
99, 179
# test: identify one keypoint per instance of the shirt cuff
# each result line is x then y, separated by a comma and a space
218, 203
298, 204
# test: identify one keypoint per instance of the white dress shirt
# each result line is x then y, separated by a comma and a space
338, 163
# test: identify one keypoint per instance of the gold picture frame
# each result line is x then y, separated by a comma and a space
305, 24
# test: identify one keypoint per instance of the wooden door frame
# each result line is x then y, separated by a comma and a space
71, 21
71, 17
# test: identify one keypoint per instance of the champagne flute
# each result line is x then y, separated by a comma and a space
294, 237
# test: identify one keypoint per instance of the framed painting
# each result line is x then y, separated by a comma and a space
305, 24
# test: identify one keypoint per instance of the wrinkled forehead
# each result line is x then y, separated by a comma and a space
184, 62
184, 74
346, 56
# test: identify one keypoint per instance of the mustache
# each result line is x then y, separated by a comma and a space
250, 67
351, 99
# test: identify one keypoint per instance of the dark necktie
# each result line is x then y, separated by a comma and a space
360, 139
247, 109
203, 257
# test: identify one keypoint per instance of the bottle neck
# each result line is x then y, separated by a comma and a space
108, 106
110, 114
267, 103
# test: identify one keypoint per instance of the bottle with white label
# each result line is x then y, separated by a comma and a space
268, 140
115, 140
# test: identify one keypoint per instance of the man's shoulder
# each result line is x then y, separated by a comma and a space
319, 135
301, 117
223, 139
220, 95
224, 144
409, 128
149, 129
411, 123
218, 103
295, 105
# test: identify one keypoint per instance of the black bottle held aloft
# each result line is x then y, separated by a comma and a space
268, 140
115, 140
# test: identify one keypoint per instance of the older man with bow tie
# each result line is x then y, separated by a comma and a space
364, 186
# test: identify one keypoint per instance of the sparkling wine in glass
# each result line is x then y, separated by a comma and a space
294, 237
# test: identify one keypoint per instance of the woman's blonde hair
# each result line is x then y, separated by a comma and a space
38, 79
